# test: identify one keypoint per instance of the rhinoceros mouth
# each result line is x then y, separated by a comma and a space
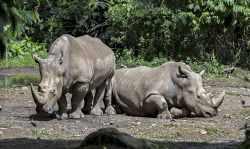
208, 114
48, 110
41, 102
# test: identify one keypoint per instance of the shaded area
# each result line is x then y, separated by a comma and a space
22, 143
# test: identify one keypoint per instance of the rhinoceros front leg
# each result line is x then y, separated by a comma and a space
79, 92
100, 90
62, 104
179, 113
87, 103
156, 103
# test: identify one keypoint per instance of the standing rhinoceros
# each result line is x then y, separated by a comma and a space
74, 65
171, 90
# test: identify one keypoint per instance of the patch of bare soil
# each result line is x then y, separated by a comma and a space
222, 131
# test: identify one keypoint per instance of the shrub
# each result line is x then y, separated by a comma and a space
127, 58
25, 48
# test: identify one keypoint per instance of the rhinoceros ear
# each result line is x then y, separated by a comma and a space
184, 72
37, 59
202, 72
59, 60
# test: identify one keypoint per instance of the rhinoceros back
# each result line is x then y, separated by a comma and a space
84, 58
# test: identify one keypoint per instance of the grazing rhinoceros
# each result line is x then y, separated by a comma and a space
171, 90
74, 65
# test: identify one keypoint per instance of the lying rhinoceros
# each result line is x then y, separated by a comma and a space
171, 90
74, 65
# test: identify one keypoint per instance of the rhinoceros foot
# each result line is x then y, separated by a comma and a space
164, 115
96, 111
77, 114
64, 116
110, 110
178, 113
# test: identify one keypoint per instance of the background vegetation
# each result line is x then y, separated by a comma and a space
203, 33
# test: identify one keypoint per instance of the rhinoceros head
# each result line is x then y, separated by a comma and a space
196, 98
50, 86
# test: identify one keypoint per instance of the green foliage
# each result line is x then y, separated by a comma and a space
200, 29
25, 48
6, 16
212, 32
25, 19
14, 63
127, 57
74, 17
138, 24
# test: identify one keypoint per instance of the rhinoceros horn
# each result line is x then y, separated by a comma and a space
217, 101
36, 97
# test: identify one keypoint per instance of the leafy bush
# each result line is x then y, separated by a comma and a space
25, 48
127, 58
179, 29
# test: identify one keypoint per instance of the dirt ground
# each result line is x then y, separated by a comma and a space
222, 131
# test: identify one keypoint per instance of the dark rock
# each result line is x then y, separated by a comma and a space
111, 136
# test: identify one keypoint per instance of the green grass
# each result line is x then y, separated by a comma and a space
212, 78
233, 93
225, 132
171, 125
212, 130
44, 133
168, 136
171, 136
14, 63
233, 84
247, 112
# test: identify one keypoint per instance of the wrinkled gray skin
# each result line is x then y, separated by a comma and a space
171, 90
76, 66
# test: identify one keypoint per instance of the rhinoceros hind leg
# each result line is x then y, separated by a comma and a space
156, 104
108, 100
100, 90
79, 93
62, 104
178, 113
87, 103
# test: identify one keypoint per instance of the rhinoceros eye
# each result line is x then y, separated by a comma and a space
198, 96
54, 91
